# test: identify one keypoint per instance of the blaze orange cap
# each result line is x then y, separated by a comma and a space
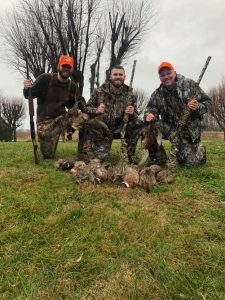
165, 64
66, 60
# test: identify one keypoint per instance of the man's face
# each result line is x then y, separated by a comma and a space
117, 77
167, 77
65, 71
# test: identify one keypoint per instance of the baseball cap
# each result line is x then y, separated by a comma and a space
66, 60
165, 64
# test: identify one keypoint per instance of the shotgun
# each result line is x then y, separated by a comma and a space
124, 155
31, 114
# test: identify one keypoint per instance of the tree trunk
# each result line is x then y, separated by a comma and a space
14, 134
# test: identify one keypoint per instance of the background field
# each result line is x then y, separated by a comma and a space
61, 240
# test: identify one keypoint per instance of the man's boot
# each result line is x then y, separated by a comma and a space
84, 145
201, 154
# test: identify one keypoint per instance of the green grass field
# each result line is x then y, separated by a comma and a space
61, 240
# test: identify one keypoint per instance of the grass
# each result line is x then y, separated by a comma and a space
61, 240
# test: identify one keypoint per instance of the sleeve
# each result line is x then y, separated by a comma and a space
203, 100
92, 103
152, 106
134, 104
40, 84
73, 98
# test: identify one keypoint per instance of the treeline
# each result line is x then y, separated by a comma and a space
93, 32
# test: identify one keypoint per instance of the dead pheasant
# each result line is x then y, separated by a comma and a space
131, 177
165, 176
80, 171
151, 139
147, 179
65, 164
98, 172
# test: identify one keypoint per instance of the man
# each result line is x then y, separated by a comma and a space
165, 108
54, 93
109, 103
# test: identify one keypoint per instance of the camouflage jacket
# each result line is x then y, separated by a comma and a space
115, 105
169, 105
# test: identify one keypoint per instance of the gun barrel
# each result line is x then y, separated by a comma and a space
31, 113
132, 74
204, 69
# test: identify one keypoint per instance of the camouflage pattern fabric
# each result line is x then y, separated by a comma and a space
189, 153
49, 131
115, 104
168, 107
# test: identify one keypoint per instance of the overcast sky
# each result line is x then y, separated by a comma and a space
186, 33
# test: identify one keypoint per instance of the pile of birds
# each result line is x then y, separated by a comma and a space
128, 176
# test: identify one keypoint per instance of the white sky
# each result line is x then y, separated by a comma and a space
186, 33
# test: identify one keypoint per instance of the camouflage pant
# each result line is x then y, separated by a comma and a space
190, 153
49, 131
101, 146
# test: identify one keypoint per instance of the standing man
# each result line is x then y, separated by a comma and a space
165, 108
54, 93
109, 103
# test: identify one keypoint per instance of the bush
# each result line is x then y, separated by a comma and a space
5, 131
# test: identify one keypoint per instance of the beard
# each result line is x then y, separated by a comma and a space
65, 74
117, 83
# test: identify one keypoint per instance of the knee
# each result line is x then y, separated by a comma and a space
186, 159
46, 151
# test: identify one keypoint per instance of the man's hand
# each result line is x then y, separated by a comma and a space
27, 84
101, 109
74, 112
150, 118
129, 110
193, 104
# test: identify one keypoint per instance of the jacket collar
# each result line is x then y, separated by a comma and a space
106, 88
178, 87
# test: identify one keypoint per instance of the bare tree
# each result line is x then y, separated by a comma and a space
209, 123
12, 112
39, 31
129, 21
217, 108
5, 130
142, 100
95, 66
